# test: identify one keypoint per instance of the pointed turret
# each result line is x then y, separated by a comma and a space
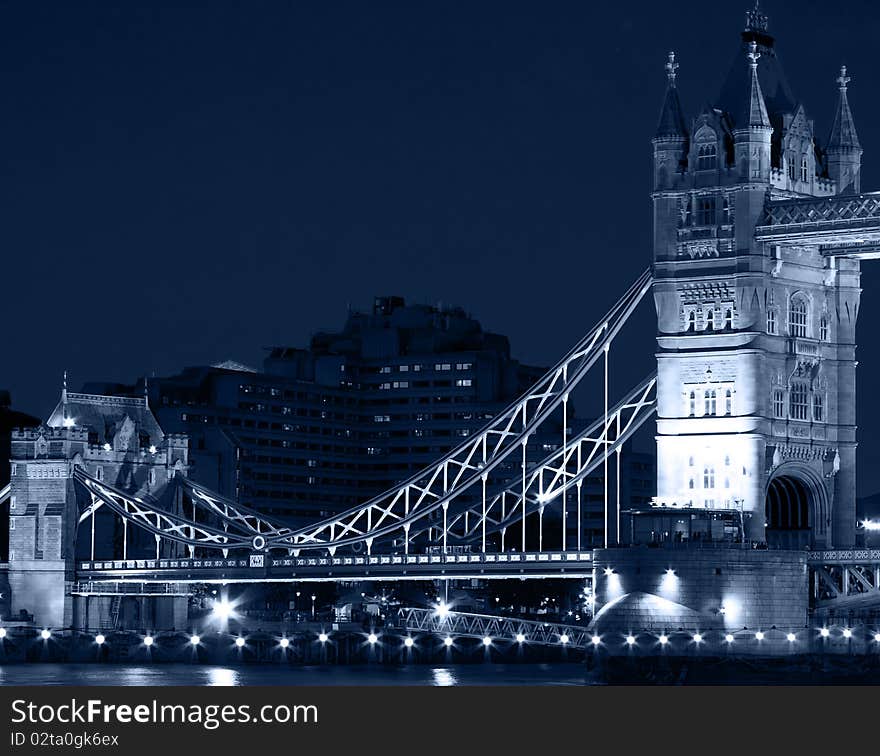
672, 123
755, 113
670, 140
844, 151
752, 130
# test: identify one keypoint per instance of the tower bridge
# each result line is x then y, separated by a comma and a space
759, 232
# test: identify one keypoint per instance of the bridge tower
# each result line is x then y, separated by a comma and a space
756, 340
114, 439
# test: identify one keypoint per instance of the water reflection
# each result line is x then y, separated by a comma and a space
223, 676
443, 677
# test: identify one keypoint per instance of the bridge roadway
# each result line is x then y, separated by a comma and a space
262, 568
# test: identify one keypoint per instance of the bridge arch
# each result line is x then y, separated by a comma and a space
795, 507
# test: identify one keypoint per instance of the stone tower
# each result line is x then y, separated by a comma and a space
113, 439
756, 342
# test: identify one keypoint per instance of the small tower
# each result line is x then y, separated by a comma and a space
670, 160
844, 151
751, 135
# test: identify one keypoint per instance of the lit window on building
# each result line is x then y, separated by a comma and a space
710, 398
464, 382
797, 317
797, 406
818, 408
463, 366
443, 366
381, 418
771, 322
708, 477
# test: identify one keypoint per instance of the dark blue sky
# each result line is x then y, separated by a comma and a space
187, 183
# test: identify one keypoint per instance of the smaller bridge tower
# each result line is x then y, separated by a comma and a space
114, 439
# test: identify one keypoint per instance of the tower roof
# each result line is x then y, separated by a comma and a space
736, 89
755, 110
672, 123
843, 130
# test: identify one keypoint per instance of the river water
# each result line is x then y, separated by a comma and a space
193, 674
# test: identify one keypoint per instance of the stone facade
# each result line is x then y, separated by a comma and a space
701, 589
756, 341
113, 439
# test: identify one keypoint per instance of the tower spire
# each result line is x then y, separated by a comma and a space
843, 131
844, 151
756, 109
672, 123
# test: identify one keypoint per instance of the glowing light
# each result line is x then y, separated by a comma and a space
487, 641
408, 642
824, 632
371, 638
791, 637
698, 638
447, 641
442, 610
284, 643
595, 640
323, 637
728, 638
46, 634
520, 638
222, 609
195, 640
563, 639
847, 633
759, 635
152, 449
68, 422
99, 639
106, 447
609, 571
670, 572
876, 637
630, 640
148, 641
868, 525
544, 497
2, 632
239, 642
663, 640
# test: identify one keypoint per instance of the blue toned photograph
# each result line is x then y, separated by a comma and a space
424, 344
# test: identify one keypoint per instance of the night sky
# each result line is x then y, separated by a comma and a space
186, 183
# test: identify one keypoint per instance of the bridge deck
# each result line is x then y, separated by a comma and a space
267, 568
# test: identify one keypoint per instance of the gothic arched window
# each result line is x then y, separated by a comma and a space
692, 409
728, 319
708, 477
797, 405
710, 320
707, 157
709, 402
692, 321
818, 408
728, 403
823, 328
797, 316
804, 169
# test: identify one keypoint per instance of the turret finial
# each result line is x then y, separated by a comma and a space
671, 68
753, 55
756, 20
843, 79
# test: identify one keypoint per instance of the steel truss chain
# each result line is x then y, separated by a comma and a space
495, 628
158, 522
431, 490
563, 468
397, 510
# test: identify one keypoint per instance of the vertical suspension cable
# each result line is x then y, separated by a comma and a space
605, 444
617, 482
564, 467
